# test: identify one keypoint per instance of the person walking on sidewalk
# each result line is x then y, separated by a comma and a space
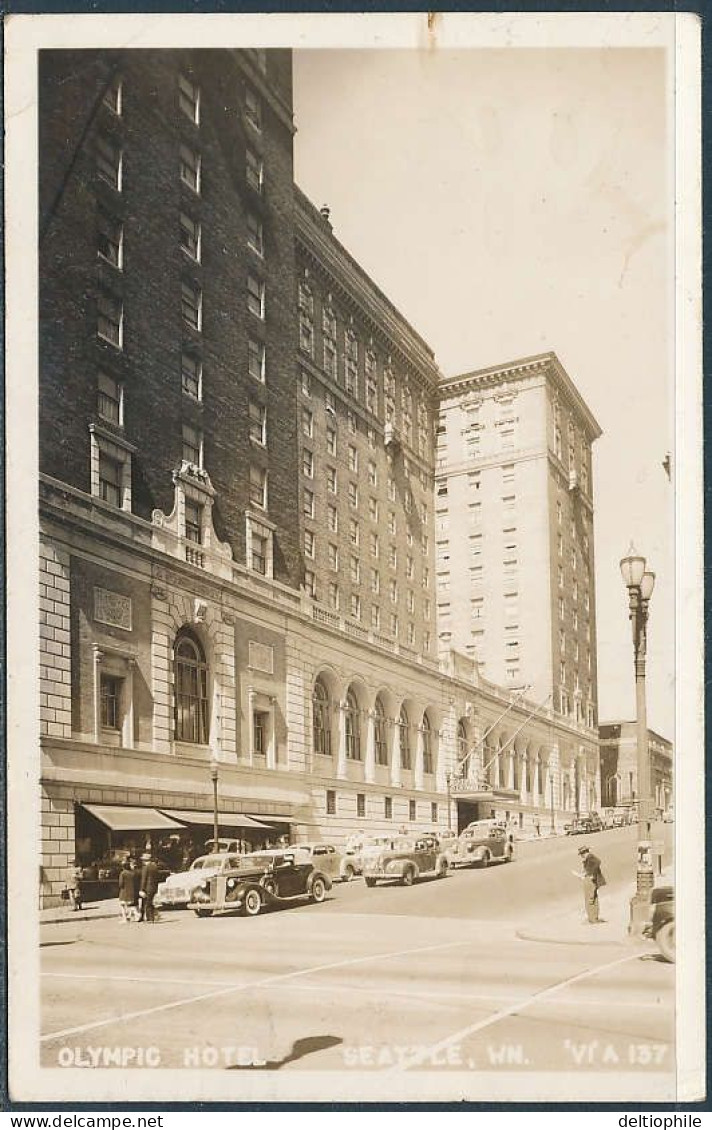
127, 892
592, 879
149, 886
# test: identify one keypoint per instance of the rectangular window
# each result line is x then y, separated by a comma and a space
308, 463
375, 617
334, 595
351, 362
113, 96
333, 519
353, 458
351, 421
375, 581
333, 557
409, 567
189, 98
192, 305
393, 557
190, 167
255, 239
192, 445
331, 480
392, 522
307, 423
256, 359
260, 549
109, 162
360, 805
110, 702
355, 570
260, 722
253, 108
355, 606
258, 422
306, 384
394, 625
393, 591
308, 504
110, 240
190, 236
331, 440
254, 170
330, 802
193, 523
310, 583
109, 479
372, 474
258, 487
110, 319
411, 634
410, 601
374, 545
373, 509
388, 807
191, 375
411, 810
110, 400
353, 495
256, 296
353, 532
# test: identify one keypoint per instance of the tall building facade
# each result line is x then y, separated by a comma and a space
514, 531
236, 497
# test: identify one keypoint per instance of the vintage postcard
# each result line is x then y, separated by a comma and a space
355, 558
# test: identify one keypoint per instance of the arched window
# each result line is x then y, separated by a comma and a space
404, 739
191, 690
321, 719
427, 745
379, 733
353, 729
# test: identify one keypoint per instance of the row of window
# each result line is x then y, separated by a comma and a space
331, 807
322, 730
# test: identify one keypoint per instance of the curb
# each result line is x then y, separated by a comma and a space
68, 919
532, 936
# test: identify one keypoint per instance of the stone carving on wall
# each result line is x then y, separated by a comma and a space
261, 657
112, 608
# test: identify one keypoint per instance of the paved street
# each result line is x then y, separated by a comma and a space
443, 975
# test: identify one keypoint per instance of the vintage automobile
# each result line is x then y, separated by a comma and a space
584, 825
404, 859
480, 844
329, 859
175, 890
356, 845
661, 927
268, 878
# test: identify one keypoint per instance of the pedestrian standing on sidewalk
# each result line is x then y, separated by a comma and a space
74, 884
592, 879
149, 886
127, 892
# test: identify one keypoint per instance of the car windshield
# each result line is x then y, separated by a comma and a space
206, 861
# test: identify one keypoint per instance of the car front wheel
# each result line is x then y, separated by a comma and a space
408, 877
270, 887
665, 939
203, 913
252, 904
318, 891
370, 882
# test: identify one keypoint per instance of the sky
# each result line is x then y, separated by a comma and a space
510, 202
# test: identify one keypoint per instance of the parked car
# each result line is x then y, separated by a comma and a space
661, 927
269, 878
356, 845
404, 859
583, 826
481, 844
329, 859
176, 889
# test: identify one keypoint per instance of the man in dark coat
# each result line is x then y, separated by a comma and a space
592, 880
148, 888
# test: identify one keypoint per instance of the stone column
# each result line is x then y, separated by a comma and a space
369, 769
162, 674
536, 783
419, 771
522, 777
98, 656
251, 725
341, 756
510, 769
395, 755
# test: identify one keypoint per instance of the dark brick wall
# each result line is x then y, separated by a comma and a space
150, 130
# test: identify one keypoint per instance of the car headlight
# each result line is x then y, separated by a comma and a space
231, 883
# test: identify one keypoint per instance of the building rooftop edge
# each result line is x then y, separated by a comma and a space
307, 210
517, 368
632, 722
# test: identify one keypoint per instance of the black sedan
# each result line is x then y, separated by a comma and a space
661, 927
264, 879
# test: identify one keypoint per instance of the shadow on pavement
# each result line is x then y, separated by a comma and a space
300, 1049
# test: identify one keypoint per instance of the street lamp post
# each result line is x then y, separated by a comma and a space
448, 782
214, 774
640, 584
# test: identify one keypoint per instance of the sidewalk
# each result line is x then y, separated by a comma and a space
569, 926
107, 908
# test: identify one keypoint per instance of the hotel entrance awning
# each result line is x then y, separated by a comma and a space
124, 818
225, 819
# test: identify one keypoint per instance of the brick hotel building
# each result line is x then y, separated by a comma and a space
237, 498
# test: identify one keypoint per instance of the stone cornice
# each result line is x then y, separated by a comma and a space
545, 365
347, 279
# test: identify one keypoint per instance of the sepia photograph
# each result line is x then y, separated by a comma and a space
355, 559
